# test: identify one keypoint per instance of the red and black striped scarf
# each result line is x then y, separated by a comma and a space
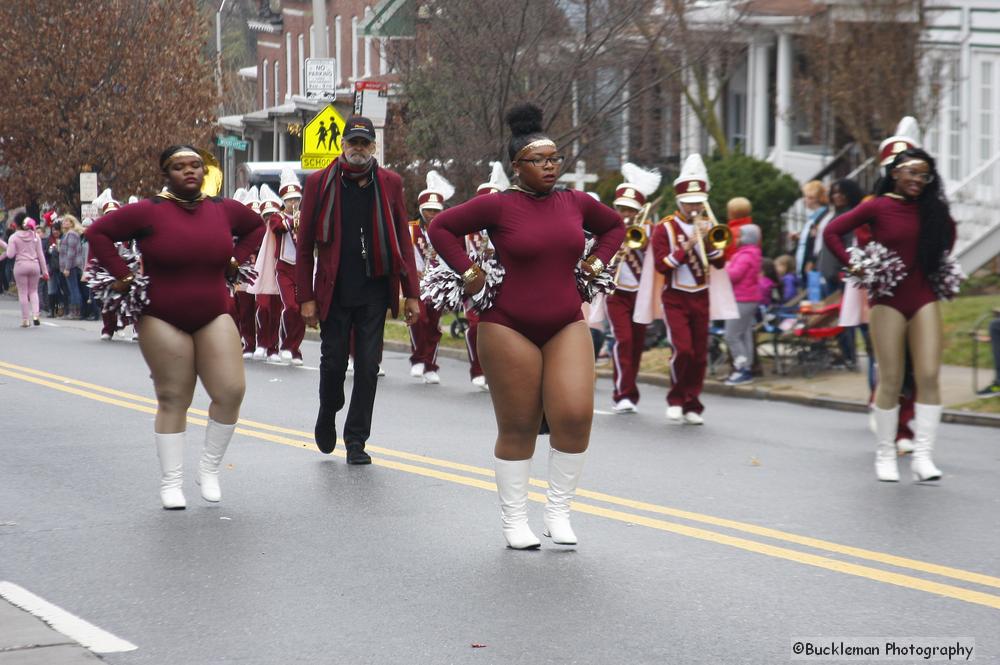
381, 243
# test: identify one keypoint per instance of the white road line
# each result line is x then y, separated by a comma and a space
68, 624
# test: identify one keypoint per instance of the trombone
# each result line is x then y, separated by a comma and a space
718, 236
635, 233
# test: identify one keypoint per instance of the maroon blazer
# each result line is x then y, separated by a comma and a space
327, 255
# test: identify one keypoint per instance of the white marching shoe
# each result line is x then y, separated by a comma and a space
217, 437
480, 382
260, 353
432, 378
512, 488
904, 446
417, 371
675, 414
928, 417
625, 406
886, 420
170, 450
564, 475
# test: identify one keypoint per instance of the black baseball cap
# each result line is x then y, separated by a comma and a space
359, 126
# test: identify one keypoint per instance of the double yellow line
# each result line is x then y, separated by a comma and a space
593, 503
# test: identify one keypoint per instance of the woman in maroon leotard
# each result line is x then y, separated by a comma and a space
186, 332
910, 217
534, 346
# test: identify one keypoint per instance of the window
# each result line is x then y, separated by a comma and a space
264, 89
277, 81
302, 64
288, 65
954, 126
985, 110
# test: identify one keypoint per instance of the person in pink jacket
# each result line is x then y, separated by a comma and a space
744, 272
25, 248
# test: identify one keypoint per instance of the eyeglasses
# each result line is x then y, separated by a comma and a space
539, 162
922, 176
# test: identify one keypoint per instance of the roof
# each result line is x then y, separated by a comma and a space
391, 18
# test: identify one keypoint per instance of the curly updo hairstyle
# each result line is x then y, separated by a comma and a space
936, 234
525, 122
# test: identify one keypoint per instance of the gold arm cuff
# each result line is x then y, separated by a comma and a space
471, 273
129, 279
596, 264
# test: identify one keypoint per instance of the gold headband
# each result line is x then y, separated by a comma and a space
179, 154
537, 143
912, 162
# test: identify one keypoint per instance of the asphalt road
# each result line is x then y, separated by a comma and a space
715, 544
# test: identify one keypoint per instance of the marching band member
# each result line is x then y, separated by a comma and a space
911, 218
265, 288
628, 322
478, 244
187, 244
105, 203
425, 334
293, 328
683, 256
533, 343
243, 302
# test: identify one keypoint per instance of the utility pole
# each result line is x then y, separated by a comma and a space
319, 49
218, 52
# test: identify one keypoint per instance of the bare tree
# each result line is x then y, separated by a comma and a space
708, 44
472, 60
104, 85
864, 69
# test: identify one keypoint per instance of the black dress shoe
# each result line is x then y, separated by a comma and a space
325, 433
356, 454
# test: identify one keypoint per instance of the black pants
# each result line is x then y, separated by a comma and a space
368, 324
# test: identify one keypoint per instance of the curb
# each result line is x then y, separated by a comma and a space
714, 387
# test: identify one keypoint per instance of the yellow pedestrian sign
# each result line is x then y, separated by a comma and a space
321, 139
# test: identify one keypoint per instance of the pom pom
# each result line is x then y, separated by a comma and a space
589, 286
245, 276
127, 306
443, 289
524, 119
948, 279
876, 268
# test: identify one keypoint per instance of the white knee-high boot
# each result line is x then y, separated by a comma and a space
564, 475
512, 488
217, 437
886, 423
170, 449
927, 417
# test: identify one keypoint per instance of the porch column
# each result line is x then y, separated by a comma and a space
783, 106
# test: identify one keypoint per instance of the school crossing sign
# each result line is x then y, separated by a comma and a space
321, 139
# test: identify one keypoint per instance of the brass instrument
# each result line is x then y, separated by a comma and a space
212, 184
635, 233
718, 236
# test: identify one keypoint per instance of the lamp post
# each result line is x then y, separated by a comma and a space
218, 51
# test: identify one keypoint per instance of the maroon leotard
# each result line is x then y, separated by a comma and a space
894, 223
185, 254
539, 242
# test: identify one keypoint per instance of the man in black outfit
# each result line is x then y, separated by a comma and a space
354, 218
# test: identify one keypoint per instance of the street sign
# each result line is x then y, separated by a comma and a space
88, 186
371, 99
231, 142
321, 77
321, 139
88, 211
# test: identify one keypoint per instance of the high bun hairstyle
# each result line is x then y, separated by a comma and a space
525, 122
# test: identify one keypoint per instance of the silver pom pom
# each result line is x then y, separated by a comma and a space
245, 275
127, 306
947, 281
443, 289
589, 286
876, 268
485, 299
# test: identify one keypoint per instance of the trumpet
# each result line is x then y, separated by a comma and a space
212, 184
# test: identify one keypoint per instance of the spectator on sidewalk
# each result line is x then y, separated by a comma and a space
789, 281
71, 262
993, 390
58, 292
744, 272
25, 250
